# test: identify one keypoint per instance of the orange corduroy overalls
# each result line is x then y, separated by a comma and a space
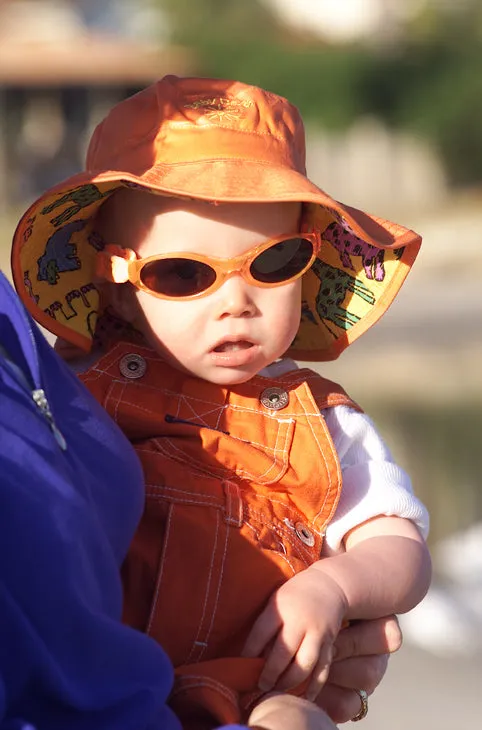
241, 483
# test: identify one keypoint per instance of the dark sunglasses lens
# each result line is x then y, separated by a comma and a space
177, 277
282, 261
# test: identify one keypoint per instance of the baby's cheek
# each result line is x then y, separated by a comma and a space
286, 314
155, 323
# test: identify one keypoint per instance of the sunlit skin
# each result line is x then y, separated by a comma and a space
226, 337
229, 335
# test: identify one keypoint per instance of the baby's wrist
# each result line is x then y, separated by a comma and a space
333, 586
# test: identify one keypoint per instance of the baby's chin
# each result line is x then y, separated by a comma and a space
225, 377
222, 376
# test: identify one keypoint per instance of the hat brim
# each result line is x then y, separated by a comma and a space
356, 277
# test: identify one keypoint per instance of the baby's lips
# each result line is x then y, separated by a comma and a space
233, 345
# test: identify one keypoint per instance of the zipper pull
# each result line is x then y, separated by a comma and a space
40, 400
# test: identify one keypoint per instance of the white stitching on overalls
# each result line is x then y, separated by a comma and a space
261, 478
160, 572
199, 418
181, 500
303, 552
195, 681
277, 552
327, 471
335, 459
338, 475
169, 449
207, 593
215, 607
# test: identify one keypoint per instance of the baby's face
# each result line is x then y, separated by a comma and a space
226, 336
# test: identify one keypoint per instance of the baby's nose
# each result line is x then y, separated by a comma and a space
234, 298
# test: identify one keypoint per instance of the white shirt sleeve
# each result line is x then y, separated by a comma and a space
373, 484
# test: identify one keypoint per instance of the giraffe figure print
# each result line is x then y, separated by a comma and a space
334, 285
348, 244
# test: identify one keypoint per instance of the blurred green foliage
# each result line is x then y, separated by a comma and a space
429, 81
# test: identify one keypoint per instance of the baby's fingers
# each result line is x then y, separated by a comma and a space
264, 630
302, 666
320, 675
278, 660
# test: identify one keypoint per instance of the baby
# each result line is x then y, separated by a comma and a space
274, 512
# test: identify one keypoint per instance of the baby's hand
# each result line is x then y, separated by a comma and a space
303, 618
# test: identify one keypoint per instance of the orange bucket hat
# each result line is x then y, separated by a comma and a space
221, 141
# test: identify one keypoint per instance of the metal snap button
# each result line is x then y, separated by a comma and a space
132, 366
274, 398
304, 534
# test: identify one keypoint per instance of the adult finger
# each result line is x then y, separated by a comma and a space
339, 703
363, 638
359, 672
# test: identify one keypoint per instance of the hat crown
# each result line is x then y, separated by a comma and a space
177, 121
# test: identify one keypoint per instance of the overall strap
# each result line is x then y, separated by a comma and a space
326, 393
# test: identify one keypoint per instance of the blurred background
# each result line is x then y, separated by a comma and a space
391, 93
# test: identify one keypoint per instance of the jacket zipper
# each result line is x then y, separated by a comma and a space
40, 400
38, 396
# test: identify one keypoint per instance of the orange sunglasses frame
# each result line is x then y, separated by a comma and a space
120, 265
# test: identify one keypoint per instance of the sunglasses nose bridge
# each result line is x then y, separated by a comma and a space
230, 267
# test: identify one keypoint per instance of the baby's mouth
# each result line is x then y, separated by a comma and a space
230, 346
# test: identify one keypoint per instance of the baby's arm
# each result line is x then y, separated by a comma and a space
386, 569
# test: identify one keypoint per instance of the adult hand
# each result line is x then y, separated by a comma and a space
287, 712
360, 662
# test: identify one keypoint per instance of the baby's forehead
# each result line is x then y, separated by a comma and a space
129, 216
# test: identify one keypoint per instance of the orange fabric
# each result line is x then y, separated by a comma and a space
238, 498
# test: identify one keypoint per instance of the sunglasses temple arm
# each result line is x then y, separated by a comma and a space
112, 264
315, 233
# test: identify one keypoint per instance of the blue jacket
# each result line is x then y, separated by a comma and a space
71, 495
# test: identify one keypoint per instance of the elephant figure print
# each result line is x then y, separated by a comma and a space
60, 253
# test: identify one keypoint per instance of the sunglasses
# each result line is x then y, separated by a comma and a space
190, 275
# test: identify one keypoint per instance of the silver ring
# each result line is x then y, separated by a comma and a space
364, 705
